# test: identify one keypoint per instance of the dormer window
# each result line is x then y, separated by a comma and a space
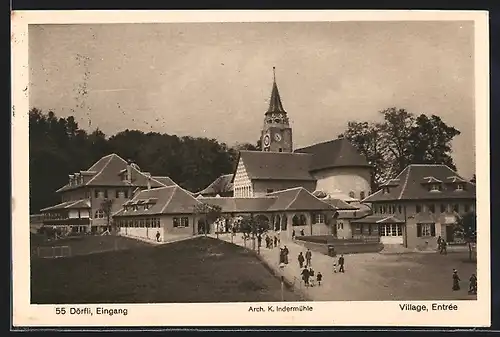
460, 187
435, 187
146, 207
136, 207
385, 190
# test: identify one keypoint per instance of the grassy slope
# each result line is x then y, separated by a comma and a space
197, 270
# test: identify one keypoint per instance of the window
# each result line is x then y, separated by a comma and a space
148, 223
435, 188
280, 150
400, 209
96, 193
460, 187
418, 208
270, 190
126, 193
456, 208
180, 222
117, 194
426, 230
385, 190
362, 195
383, 209
340, 225
99, 214
146, 207
390, 230
432, 208
105, 194
319, 218
442, 208
466, 208
141, 223
135, 207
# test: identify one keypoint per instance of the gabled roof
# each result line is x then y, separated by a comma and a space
240, 205
107, 172
298, 199
74, 204
164, 180
262, 165
412, 185
220, 185
334, 153
339, 204
378, 219
169, 200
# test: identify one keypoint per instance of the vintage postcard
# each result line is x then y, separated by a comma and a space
256, 168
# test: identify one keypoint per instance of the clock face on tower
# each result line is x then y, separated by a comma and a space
267, 140
277, 137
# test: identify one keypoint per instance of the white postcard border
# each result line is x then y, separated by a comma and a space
356, 313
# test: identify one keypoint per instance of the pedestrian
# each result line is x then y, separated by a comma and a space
259, 240
305, 276
456, 280
319, 277
158, 236
301, 260
341, 263
311, 275
275, 241
267, 241
334, 266
282, 255
308, 258
293, 234
473, 284
286, 252
439, 239
443, 247
302, 232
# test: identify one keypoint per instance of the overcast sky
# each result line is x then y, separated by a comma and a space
214, 80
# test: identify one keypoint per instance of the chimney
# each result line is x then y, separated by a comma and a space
129, 170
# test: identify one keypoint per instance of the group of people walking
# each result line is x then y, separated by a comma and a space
472, 282
307, 273
442, 245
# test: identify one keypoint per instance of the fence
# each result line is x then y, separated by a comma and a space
53, 252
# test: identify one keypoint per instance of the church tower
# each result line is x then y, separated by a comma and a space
276, 134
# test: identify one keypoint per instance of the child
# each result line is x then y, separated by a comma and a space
318, 278
311, 274
334, 266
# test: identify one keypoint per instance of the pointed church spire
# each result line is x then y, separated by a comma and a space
275, 101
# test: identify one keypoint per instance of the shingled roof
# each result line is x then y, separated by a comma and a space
221, 185
162, 200
298, 199
334, 153
74, 204
106, 172
413, 184
262, 165
240, 205
378, 219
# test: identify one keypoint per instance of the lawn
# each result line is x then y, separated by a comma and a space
81, 245
196, 270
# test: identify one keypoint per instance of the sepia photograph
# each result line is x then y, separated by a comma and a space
276, 165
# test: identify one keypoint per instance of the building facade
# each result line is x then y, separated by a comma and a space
423, 202
91, 195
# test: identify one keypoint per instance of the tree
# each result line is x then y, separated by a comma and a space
401, 139
107, 206
465, 228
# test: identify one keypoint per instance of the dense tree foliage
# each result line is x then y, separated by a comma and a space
58, 147
402, 138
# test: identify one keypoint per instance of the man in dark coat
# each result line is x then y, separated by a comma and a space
456, 280
341, 263
301, 260
285, 253
473, 284
158, 236
305, 276
308, 258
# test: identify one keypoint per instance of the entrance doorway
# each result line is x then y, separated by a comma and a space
450, 233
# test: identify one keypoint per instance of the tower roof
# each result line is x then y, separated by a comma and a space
275, 104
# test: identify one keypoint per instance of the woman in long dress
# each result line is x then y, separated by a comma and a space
456, 280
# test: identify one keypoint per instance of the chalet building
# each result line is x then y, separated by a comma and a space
88, 195
330, 166
171, 211
423, 202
